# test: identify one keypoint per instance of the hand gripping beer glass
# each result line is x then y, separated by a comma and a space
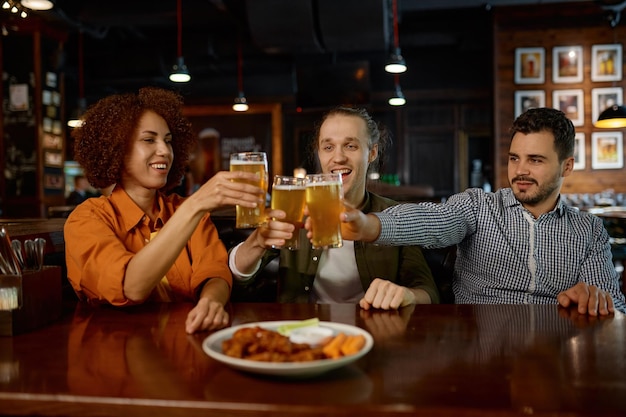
288, 196
324, 199
255, 162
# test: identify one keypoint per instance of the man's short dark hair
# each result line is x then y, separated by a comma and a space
552, 120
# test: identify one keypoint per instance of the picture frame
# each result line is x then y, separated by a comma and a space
603, 98
529, 65
579, 151
528, 99
567, 64
607, 150
606, 62
53, 181
570, 102
53, 158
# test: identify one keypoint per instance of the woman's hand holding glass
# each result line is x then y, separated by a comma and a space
222, 191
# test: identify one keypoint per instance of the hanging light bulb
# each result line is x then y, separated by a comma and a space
38, 4
398, 98
6, 5
241, 104
396, 63
179, 73
75, 119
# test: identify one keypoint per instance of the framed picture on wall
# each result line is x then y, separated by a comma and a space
603, 98
571, 103
529, 65
607, 150
528, 99
579, 151
606, 62
567, 64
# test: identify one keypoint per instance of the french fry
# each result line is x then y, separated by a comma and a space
333, 348
352, 344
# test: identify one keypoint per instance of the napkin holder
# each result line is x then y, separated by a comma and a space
41, 302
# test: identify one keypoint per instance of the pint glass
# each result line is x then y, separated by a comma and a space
324, 198
288, 196
255, 162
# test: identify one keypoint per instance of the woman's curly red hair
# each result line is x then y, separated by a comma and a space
102, 142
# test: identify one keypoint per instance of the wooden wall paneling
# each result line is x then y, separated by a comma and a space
431, 160
431, 146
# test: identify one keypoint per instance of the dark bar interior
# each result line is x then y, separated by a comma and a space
472, 68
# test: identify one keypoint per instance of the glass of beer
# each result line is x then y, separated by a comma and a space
288, 196
255, 162
324, 199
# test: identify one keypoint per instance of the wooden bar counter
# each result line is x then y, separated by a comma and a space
434, 360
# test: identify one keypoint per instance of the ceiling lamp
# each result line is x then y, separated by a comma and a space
38, 4
75, 117
396, 63
398, 99
612, 118
180, 74
241, 104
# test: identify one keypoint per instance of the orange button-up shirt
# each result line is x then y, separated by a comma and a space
103, 234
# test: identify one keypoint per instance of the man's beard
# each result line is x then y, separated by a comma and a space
541, 193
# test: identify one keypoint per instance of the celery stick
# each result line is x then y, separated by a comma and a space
285, 329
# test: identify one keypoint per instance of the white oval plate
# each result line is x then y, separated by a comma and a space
212, 346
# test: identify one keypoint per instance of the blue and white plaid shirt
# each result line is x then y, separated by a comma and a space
504, 254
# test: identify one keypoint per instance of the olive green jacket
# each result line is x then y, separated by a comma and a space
403, 265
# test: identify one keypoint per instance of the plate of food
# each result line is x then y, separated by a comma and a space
288, 348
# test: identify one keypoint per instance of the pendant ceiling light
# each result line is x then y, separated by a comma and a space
241, 104
398, 98
37, 4
613, 117
75, 117
396, 63
180, 74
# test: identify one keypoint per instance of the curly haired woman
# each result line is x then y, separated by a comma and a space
139, 244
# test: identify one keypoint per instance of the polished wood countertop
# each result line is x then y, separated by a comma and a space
433, 360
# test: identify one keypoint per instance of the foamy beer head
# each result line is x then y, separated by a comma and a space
255, 162
288, 195
324, 198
